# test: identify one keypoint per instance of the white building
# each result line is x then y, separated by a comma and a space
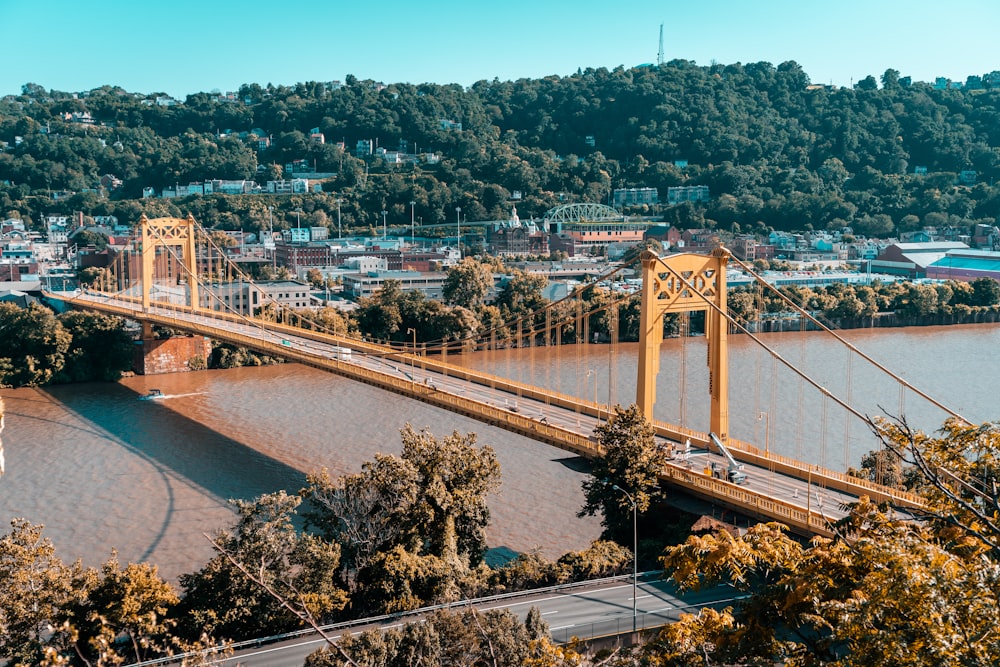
359, 285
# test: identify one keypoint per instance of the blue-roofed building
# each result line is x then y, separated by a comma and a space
966, 265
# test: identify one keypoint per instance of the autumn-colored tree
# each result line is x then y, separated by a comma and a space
37, 591
494, 638
920, 588
125, 615
263, 561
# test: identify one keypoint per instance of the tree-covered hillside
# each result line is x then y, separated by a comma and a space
775, 151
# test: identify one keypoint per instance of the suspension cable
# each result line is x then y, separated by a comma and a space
757, 340
847, 343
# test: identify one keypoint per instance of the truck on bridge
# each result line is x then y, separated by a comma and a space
735, 472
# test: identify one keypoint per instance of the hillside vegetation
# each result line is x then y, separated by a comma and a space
774, 151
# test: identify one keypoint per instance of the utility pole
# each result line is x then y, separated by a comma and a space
340, 234
413, 228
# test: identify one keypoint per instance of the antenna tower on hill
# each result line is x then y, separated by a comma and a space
659, 56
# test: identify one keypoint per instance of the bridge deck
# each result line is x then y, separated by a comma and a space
805, 497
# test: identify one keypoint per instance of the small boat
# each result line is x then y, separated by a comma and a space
152, 395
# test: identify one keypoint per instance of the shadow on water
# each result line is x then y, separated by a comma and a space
576, 463
176, 447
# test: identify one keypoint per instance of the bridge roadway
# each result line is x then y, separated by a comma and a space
805, 497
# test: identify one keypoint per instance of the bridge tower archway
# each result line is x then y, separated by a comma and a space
168, 233
683, 283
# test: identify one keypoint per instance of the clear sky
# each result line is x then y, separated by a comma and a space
186, 46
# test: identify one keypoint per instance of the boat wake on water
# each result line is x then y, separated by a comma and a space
157, 395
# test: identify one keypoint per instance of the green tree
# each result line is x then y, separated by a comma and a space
742, 305
521, 295
102, 348
410, 527
89, 276
986, 292
362, 512
33, 345
600, 559
468, 283
471, 637
379, 315
632, 462
454, 478
916, 301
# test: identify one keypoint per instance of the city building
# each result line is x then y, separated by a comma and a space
513, 238
700, 239
635, 197
359, 285
965, 265
683, 193
592, 238
288, 187
912, 259
668, 236
245, 298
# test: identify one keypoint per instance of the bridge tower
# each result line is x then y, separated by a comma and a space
682, 283
168, 233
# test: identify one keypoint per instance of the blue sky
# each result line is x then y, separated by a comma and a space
182, 46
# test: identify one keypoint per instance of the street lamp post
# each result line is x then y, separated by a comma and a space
767, 431
458, 230
590, 372
767, 445
270, 230
413, 228
635, 552
413, 353
383, 225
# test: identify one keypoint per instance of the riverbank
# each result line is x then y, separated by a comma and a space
880, 321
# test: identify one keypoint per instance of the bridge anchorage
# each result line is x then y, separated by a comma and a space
173, 276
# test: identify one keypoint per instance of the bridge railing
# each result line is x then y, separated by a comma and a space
498, 415
697, 482
812, 521
833, 479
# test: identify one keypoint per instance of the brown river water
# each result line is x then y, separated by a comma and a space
103, 470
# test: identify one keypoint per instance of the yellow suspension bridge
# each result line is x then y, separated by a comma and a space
175, 261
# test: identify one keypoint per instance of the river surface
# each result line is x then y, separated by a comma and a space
102, 469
